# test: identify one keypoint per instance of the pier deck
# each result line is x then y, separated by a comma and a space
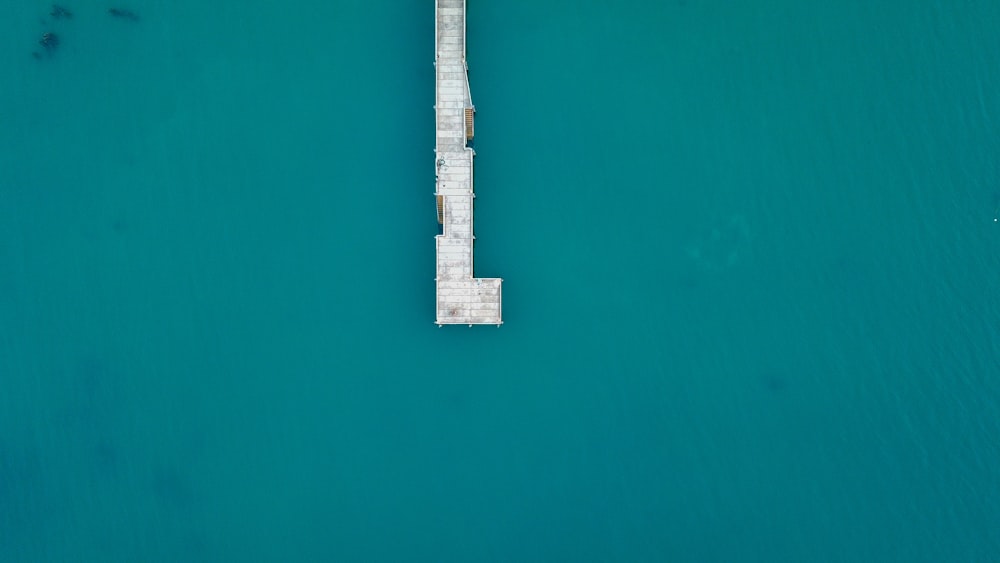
461, 297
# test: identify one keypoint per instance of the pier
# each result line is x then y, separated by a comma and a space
461, 297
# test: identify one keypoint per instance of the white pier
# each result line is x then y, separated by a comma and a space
461, 297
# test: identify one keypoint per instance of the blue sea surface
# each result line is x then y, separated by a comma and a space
750, 257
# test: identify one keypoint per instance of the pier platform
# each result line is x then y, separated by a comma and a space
462, 298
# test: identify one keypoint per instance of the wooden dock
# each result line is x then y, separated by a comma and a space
461, 297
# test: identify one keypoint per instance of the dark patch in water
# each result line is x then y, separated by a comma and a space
93, 382
49, 40
106, 457
22, 494
171, 487
58, 12
92, 413
123, 14
774, 382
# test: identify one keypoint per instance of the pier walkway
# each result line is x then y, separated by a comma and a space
461, 297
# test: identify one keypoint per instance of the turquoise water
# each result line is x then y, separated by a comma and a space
750, 302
